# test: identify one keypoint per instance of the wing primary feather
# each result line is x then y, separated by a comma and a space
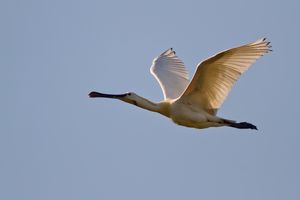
170, 73
215, 77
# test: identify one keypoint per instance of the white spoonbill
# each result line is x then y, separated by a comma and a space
195, 103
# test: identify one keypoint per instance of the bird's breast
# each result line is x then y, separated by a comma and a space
187, 115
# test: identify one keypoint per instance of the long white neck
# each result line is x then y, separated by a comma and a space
161, 107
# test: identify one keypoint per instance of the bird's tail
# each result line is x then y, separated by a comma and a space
240, 125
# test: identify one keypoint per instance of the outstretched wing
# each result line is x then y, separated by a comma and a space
215, 76
170, 73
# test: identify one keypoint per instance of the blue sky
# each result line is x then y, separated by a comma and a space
56, 143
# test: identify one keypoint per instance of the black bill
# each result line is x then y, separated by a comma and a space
97, 94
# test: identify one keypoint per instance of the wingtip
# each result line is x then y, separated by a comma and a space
268, 44
172, 50
265, 42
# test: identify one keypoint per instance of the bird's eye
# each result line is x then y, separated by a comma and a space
129, 93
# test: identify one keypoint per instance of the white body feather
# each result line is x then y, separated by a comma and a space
195, 103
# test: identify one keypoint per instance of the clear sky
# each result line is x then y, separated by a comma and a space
56, 143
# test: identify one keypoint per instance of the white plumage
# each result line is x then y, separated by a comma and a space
195, 103
171, 74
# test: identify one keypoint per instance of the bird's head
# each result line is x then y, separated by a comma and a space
134, 99
130, 97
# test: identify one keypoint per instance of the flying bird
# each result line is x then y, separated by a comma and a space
195, 103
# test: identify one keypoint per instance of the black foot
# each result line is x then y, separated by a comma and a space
243, 125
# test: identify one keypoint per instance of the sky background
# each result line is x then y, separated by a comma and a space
56, 143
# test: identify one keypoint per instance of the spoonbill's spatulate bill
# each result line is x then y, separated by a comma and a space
195, 103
